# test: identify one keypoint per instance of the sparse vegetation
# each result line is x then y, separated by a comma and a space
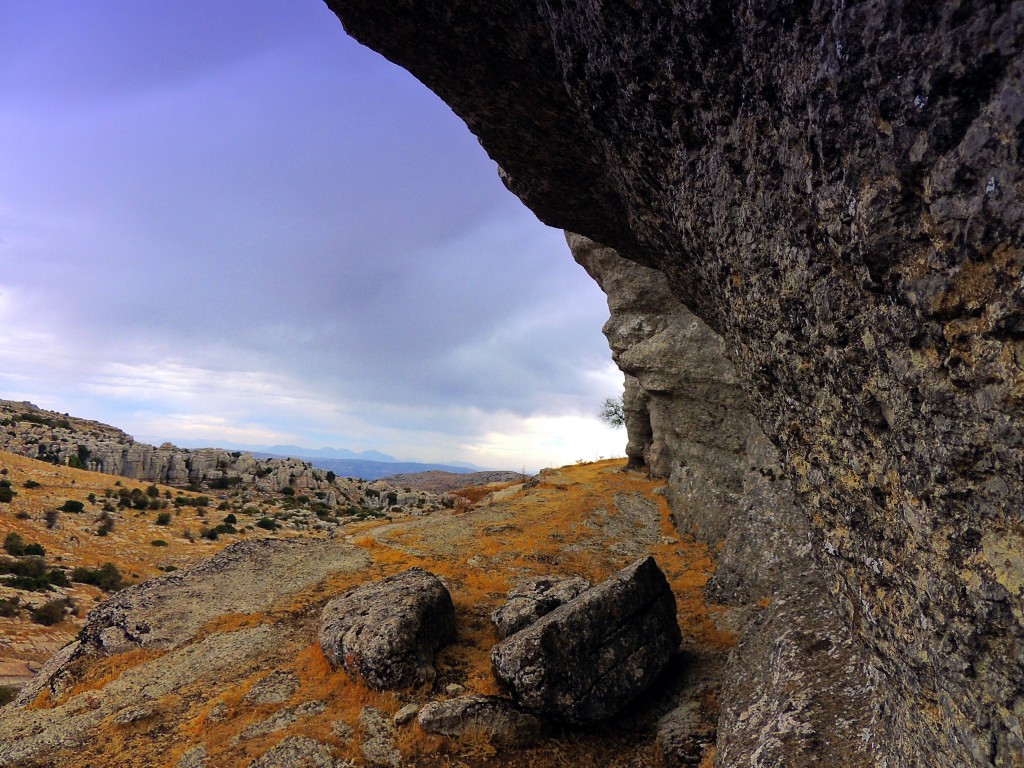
31, 484
164, 518
107, 577
71, 505
51, 612
9, 607
158, 543
611, 412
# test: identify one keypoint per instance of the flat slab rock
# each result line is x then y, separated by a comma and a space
386, 632
587, 659
532, 598
501, 721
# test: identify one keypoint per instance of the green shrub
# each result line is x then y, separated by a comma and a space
9, 607
35, 550
50, 613
331, 477
6, 493
72, 506
32, 484
51, 516
153, 492
107, 577
106, 524
230, 519
158, 543
14, 544
164, 518
267, 524
23, 515
29, 574
287, 491
75, 463
8, 693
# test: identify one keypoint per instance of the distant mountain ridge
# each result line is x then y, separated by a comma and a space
369, 470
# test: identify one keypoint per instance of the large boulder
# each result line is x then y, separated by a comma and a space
532, 598
499, 720
587, 659
386, 632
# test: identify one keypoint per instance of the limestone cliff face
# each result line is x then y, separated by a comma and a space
836, 189
30, 431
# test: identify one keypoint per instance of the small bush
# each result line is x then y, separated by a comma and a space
14, 544
23, 515
32, 484
51, 516
72, 506
153, 492
230, 519
75, 463
8, 693
267, 524
9, 607
158, 543
107, 577
287, 491
29, 574
6, 494
50, 613
106, 524
35, 549
164, 518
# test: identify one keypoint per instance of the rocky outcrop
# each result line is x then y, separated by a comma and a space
532, 598
835, 188
30, 431
799, 670
497, 719
587, 659
387, 631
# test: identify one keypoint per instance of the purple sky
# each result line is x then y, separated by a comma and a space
227, 221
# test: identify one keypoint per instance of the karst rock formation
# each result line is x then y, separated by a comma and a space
834, 188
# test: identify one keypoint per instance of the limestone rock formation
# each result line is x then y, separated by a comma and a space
835, 188
587, 659
387, 631
532, 598
30, 431
499, 720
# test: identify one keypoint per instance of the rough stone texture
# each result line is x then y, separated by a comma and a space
797, 695
387, 631
743, 507
170, 610
378, 745
532, 598
297, 752
835, 188
587, 659
498, 719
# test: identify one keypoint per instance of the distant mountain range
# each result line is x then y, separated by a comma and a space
368, 465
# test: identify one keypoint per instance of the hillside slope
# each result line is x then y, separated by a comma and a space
195, 693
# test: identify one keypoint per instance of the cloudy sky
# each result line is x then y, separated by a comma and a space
227, 221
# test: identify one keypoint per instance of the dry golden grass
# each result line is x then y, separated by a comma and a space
566, 525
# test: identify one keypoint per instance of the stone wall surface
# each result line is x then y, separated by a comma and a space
835, 188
